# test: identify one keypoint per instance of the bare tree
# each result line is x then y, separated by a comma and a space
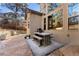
16, 8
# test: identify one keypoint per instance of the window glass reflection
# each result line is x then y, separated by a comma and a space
52, 6
73, 12
55, 21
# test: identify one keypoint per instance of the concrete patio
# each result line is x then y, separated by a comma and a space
43, 50
17, 46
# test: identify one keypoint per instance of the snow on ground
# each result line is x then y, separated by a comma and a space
43, 50
15, 46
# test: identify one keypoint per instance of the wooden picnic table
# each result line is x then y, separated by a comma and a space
45, 37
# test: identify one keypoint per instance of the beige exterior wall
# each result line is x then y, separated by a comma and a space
34, 22
62, 35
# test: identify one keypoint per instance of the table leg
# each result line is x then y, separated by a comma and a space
44, 40
40, 43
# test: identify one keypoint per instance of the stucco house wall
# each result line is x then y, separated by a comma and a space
34, 21
64, 35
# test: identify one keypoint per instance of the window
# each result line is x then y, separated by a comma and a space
73, 23
73, 12
57, 20
44, 23
50, 22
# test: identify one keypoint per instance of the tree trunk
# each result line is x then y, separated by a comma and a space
25, 15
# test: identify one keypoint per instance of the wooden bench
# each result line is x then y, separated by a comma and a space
38, 38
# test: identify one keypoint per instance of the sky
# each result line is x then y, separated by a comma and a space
74, 9
33, 6
4, 9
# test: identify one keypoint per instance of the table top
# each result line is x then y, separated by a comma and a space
43, 33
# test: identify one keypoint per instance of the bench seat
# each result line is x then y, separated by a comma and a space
37, 37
